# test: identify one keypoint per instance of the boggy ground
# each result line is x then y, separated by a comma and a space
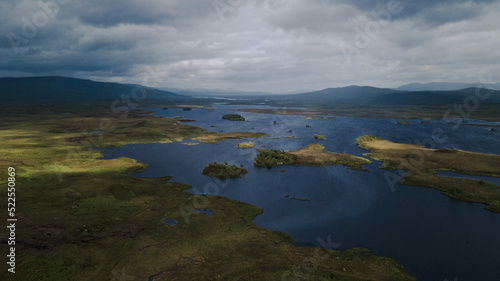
81, 218
421, 164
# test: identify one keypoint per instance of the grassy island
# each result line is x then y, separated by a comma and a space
403, 122
233, 117
223, 171
82, 218
312, 155
210, 137
421, 164
245, 145
319, 137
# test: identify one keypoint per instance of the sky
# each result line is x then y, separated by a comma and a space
276, 46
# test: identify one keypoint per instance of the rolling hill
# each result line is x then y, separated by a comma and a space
446, 86
65, 89
358, 95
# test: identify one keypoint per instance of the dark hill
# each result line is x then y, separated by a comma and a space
356, 95
65, 89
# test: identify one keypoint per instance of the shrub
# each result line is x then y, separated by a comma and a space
365, 138
273, 157
233, 117
223, 171
245, 145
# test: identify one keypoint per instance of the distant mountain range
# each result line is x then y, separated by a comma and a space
217, 93
446, 86
364, 95
64, 89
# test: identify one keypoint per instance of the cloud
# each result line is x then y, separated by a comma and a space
257, 45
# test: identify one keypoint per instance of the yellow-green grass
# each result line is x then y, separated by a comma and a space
81, 218
245, 145
315, 155
422, 163
312, 155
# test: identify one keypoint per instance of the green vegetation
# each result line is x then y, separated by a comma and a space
366, 138
233, 117
316, 146
272, 157
245, 145
487, 112
83, 219
223, 171
211, 137
315, 155
312, 155
403, 122
187, 109
422, 163
319, 137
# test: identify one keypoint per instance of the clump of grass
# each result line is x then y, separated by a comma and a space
403, 122
245, 145
319, 137
316, 146
272, 157
233, 117
223, 171
366, 138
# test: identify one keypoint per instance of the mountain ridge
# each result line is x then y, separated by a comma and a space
68, 89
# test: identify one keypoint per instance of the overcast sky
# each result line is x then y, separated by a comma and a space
252, 45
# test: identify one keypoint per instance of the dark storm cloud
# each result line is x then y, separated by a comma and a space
438, 12
268, 45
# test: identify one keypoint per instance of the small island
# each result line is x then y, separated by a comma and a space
319, 137
233, 117
223, 171
312, 155
403, 122
245, 145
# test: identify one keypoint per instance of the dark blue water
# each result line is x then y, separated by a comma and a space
169, 221
433, 236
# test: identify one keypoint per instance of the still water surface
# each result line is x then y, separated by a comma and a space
431, 235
